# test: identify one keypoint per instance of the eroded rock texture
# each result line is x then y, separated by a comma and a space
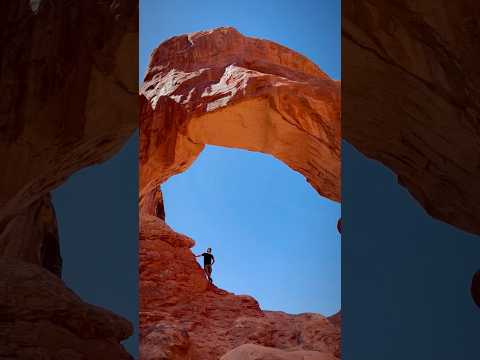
411, 98
42, 319
182, 316
256, 352
222, 88
69, 100
36, 236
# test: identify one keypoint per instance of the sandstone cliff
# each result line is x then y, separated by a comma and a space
69, 100
220, 87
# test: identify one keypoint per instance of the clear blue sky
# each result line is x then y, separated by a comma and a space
406, 276
97, 212
273, 236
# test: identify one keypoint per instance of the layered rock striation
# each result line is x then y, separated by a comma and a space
222, 88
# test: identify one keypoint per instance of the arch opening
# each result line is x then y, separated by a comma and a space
273, 237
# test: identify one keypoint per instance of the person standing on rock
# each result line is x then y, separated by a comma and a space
208, 261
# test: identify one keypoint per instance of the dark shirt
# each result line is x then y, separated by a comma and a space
207, 259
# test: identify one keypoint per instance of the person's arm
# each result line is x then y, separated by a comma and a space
198, 255
213, 260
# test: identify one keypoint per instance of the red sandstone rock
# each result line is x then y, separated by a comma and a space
42, 318
220, 87
257, 352
336, 319
411, 98
36, 236
69, 100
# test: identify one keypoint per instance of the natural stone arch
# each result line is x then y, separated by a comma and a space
279, 104
222, 88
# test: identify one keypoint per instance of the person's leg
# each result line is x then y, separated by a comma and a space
208, 271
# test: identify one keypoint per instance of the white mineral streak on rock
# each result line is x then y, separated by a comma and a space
167, 86
234, 78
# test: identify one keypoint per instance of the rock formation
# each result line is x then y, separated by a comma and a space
220, 87
57, 62
42, 319
411, 98
256, 352
69, 100
254, 95
182, 316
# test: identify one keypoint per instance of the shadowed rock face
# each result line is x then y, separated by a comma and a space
36, 236
56, 64
42, 319
220, 87
412, 99
69, 100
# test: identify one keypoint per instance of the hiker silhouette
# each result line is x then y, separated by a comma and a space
208, 261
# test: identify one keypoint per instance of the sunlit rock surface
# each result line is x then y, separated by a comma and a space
222, 88
411, 98
257, 352
219, 87
182, 316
